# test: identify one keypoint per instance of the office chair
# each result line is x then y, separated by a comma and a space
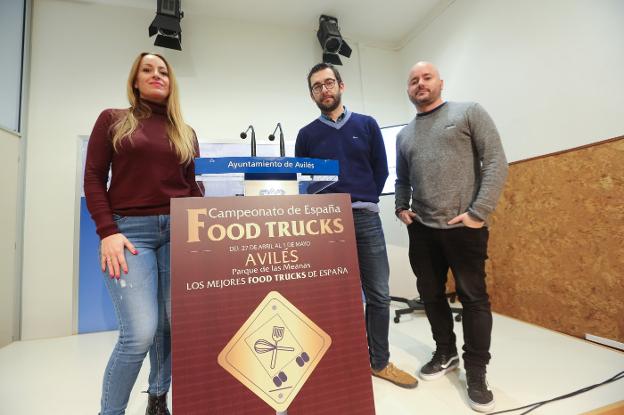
417, 304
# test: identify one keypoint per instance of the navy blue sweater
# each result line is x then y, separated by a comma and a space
357, 144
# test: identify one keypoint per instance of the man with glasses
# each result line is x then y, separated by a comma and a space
355, 141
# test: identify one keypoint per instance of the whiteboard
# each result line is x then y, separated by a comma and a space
389, 137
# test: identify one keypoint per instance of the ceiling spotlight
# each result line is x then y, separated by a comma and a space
166, 24
331, 41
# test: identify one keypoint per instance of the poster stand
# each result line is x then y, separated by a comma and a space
266, 303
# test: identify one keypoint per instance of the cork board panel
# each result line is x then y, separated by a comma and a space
616, 408
557, 242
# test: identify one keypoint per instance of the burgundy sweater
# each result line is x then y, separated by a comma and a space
146, 172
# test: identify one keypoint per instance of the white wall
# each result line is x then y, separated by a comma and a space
9, 153
231, 75
548, 72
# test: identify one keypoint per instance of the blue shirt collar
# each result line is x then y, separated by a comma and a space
340, 121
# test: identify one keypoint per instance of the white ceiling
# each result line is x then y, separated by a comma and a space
389, 23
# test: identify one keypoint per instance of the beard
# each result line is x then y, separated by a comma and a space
427, 99
337, 100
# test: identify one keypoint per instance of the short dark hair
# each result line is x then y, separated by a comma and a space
321, 66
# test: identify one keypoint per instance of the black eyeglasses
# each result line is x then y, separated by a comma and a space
328, 84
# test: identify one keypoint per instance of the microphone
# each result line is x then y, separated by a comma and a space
243, 135
272, 137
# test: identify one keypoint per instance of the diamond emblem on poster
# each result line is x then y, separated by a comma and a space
275, 351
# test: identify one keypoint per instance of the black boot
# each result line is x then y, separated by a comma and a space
480, 396
157, 405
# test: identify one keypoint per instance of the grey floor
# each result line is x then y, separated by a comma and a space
63, 375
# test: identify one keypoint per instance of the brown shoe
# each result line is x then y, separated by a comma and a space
393, 374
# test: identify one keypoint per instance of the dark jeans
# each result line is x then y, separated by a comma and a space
464, 250
375, 274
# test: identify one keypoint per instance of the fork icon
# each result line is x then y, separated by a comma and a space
278, 335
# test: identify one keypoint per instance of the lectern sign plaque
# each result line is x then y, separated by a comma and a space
266, 307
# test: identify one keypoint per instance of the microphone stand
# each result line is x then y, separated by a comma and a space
243, 135
272, 137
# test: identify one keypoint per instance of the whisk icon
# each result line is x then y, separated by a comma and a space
264, 346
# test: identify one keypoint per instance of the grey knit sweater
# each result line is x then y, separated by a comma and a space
450, 161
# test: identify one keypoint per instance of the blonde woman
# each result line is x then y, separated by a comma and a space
150, 151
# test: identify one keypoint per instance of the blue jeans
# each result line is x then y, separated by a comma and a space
142, 305
375, 275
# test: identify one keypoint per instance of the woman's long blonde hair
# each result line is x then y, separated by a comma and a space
180, 134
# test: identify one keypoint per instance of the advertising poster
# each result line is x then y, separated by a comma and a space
267, 313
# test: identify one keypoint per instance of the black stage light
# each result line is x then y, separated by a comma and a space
166, 24
331, 41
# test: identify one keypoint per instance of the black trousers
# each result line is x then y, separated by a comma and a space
464, 250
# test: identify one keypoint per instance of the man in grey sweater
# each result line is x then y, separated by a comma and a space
451, 165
